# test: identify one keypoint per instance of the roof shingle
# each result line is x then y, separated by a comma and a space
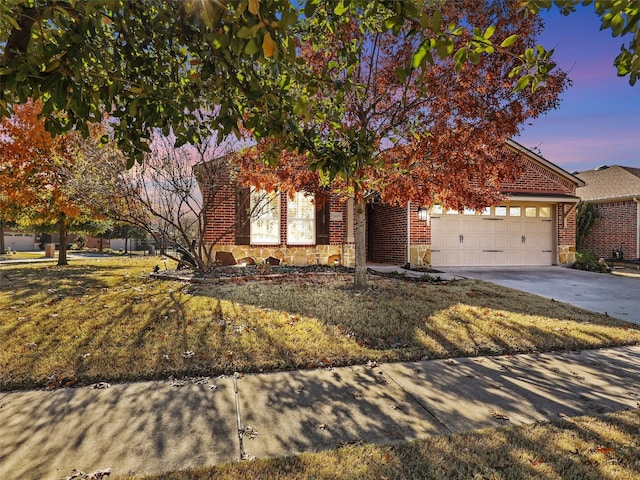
609, 183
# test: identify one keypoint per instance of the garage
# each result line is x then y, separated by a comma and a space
513, 234
19, 242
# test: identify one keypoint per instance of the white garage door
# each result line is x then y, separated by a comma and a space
502, 235
19, 241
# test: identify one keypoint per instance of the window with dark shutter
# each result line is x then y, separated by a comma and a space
322, 220
243, 224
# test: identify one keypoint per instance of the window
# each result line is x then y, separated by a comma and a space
530, 211
301, 220
469, 211
501, 211
486, 211
436, 210
265, 221
451, 211
515, 212
545, 212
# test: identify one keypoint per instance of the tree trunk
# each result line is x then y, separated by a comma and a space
126, 244
360, 277
62, 254
2, 245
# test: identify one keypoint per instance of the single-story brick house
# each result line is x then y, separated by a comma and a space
615, 192
535, 225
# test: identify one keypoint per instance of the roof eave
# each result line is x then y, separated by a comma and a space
623, 198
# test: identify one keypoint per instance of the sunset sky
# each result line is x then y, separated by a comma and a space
598, 121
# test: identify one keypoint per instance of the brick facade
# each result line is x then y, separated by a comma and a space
387, 234
540, 181
617, 229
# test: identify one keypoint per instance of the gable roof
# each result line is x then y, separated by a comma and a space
610, 183
544, 162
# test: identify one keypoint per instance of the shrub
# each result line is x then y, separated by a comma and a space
81, 242
587, 260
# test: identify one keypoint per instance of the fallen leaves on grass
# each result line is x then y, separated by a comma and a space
97, 475
499, 415
605, 450
58, 380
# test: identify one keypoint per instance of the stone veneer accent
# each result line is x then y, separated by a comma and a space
566, 254
312, 255
420, 255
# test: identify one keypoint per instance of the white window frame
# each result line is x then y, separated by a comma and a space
265, 218
301, 211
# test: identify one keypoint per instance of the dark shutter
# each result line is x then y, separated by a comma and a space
243, 217
322, 220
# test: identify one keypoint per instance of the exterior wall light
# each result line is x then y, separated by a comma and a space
423, 214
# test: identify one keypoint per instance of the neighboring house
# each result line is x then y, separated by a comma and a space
534, 226
20, 241
615, 192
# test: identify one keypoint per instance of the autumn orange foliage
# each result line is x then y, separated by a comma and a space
434, 134
437, 135
37, 170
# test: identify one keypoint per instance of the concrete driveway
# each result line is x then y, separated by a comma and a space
612, 294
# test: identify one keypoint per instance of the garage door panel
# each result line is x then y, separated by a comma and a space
489, 240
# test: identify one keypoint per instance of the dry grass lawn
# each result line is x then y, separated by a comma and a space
585, 448
21, 255
106, 320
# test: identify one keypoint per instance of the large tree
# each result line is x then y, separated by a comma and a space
156, 64
53, 181
405, 126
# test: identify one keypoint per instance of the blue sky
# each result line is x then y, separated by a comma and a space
598, 120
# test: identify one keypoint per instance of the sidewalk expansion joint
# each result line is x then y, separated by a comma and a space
422, 405
243, 454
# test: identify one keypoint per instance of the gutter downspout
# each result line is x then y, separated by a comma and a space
637, 200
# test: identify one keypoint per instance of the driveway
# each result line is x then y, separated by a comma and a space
614, 295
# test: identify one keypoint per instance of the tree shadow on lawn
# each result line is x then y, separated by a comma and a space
411, 321
160, 329
24, 282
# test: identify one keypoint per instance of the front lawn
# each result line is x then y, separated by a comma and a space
21, 255
106, 320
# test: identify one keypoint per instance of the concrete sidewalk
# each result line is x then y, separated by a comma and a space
150, 427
